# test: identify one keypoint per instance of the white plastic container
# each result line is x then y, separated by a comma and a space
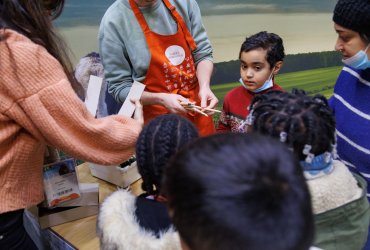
122, 177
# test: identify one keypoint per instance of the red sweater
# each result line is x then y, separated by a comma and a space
235, 107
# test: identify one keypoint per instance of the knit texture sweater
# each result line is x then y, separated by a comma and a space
351, 106
38, 107
235, 108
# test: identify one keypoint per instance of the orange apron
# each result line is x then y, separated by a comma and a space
171, 68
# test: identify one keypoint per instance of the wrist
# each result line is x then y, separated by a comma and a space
204, 87
161, 98
149, 98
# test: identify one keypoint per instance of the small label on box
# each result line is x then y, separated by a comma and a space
60, 182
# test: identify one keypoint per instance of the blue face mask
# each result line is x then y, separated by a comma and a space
358, 61
268, 84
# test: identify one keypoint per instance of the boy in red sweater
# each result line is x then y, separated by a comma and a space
261, 57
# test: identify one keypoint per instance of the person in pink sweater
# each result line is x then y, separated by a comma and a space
39, 107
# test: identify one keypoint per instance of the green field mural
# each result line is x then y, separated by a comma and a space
315, 81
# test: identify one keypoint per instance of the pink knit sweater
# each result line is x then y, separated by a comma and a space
37, 107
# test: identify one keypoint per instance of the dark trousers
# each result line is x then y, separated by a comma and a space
12, 232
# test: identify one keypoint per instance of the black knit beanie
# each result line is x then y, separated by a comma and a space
353, 15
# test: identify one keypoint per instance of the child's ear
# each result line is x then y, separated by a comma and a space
277, 67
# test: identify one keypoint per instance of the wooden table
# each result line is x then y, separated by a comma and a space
82, 233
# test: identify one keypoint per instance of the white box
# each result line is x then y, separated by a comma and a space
85, 206
122, 177
89, 196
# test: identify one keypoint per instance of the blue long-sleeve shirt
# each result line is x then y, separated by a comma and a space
351, 105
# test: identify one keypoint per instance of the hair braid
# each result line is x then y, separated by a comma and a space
141, 158
159, 140
306, 120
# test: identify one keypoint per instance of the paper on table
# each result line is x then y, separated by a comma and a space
92, 94
128, 107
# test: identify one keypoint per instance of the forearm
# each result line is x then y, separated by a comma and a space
172, 102
204, 73
149, 98
66, 124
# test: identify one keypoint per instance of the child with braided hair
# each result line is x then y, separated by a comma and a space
306, 124
129, 222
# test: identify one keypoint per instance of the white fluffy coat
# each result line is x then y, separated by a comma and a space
118, 227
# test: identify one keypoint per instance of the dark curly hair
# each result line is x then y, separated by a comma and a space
267, 41
304, 119
159, 140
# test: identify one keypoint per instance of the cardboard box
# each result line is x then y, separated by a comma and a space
85, 206
117, 175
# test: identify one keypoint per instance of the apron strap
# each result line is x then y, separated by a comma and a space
180, 21
139, 16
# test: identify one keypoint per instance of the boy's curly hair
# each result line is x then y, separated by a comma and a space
270, 42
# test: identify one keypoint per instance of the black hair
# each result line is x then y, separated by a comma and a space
365, 37
304, 119
239, 191
160, 139
267, 41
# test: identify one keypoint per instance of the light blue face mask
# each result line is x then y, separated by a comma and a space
358, 61
268, 84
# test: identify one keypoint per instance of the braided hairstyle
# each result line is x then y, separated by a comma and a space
304, 119
159, 140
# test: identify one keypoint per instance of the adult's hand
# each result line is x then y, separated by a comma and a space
169, 101
172, 103
207, 99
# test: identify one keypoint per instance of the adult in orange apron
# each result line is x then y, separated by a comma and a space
171, 68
